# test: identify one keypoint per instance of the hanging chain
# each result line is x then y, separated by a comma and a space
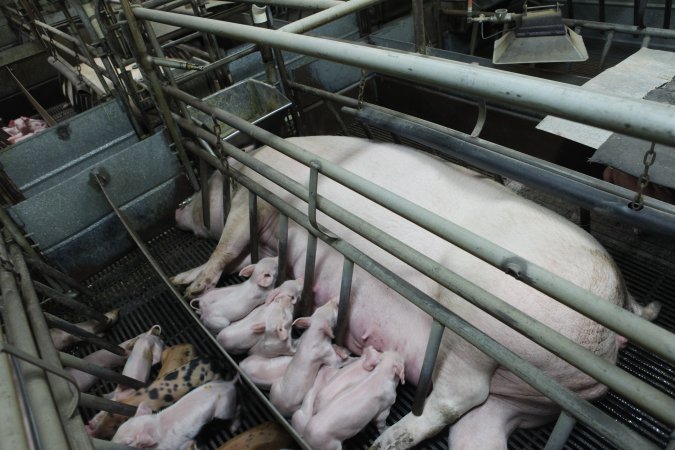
218, 130
643, 181
9, 267
79, 72
362, 87
52, 47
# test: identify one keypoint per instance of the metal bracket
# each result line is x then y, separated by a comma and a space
314, 167
480, 121
12, 350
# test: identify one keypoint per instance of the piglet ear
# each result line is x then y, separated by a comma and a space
328, 331
247, 271
145, 440
143, 409
301, 322
399, 371
258, 328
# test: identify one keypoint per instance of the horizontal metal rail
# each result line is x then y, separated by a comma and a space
639, 118
618, 319
634, 389
100, 372
578, 408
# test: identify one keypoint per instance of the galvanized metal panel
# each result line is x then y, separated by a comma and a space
46, 159
75, 204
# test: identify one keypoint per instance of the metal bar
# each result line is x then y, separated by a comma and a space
100, 444
283, 249
621, 28
253, 226
61, 324
184, 78
100, 372
482, 145
57, 32
173, 64
60, 276
40, 400
38, 107
298, 4
308, 287
561, 431
635, 390
601, 11
430, 355
667, 11
343, 305
11, 420
327, 15
70, 72
206, 201
639, 118
103, 404
605, 49
635, 329
61, 390
418, 26
67, 300
578, 408
162, 104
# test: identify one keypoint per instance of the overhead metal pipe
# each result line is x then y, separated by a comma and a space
639, 118
578, 408
327, 15
298, 4
634, 328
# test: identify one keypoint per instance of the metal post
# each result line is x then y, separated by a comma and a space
11, 421
430, 355
57, 322
639, 118
283, 249
418, 25
308, 287
253, 226
343, 305
206, 201
561, 431
605, 49
41, 402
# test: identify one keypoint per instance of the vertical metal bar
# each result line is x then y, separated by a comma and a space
162, 104
11, 422
338, 119
434, 343
296, 111
73, 425
667, 11
601, 10
418, 24
605, 49
343, 305
253, 226
645, 41
283, 248
474, 38
585, 219
570, 9
561, 431
39, 395
308, 287
204, 182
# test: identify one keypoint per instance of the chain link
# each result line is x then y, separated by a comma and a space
218, 131
362, 87
650, 156
9, 267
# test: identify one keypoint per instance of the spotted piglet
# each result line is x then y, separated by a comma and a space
147, 352
219, 307
176, 427
161, 393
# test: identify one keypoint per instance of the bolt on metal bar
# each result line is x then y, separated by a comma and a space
578, 408
70, 302
639, 118
100, 372
253, 226
103, 404
61, 390
641, 393
11, 420
430, 355
283, 249
57, 322
561, 431
343, 304
39, 396
639, 331
242, 52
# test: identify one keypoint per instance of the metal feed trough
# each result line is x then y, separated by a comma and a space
139, 284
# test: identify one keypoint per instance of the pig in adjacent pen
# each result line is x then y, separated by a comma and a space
466, 383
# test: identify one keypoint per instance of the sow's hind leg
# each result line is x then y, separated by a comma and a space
461, 381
